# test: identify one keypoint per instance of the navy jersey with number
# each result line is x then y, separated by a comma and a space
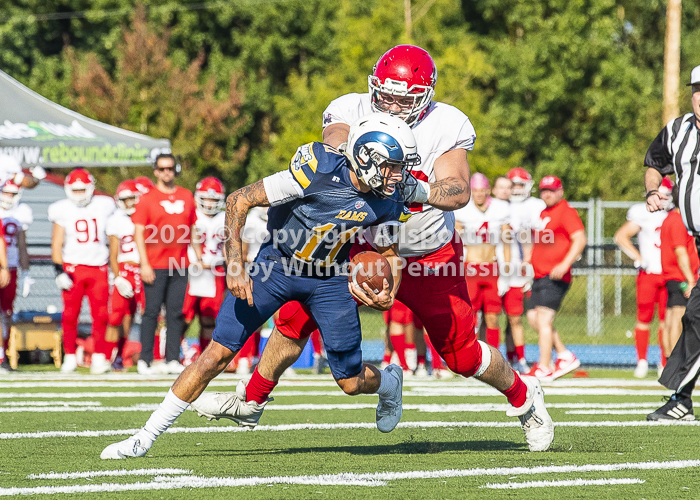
320, 226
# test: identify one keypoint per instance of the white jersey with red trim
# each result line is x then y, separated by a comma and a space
119, 224
483, 227
524, 216
255, 231
212, 230
443, 128
649, 237
85, 241
14, 221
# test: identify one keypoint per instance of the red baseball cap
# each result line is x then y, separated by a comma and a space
550, 182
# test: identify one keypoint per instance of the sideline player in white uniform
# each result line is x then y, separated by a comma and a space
651, 286
16, 219
484, 224
10, 169
79, 252
433, 286
206, 287
127, 293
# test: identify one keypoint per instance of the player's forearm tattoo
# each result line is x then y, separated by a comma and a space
449, 193
237, 205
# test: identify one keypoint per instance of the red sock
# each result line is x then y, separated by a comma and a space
664, 360
258, 388
109, 349
641, 341
421, 359
387, 358
399, 343
517, 394
203, 343
493, 336
410, 345
316, 342
661, 346
156, 348
511, 356
519, 352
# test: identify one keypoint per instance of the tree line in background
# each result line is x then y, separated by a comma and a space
565, 87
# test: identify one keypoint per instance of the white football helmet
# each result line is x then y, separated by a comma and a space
377, 138
79, 180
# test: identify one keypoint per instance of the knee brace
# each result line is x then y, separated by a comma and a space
485, 359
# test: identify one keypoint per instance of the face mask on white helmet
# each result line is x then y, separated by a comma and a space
83, 198
10, 196
377, 139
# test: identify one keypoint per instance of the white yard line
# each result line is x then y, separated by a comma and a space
308, 426
550, 484
109, 473
641, 411
13, 404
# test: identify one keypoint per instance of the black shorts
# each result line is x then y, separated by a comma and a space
675, 295
549, 293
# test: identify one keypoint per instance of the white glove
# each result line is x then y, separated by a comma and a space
38, 173
529, 274
124, 287
503, 285
414, 190
64, 282
25, 283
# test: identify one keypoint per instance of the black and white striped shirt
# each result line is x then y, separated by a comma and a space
677, 150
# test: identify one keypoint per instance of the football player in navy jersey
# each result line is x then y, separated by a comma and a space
319, 205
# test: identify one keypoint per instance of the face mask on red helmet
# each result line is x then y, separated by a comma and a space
209, 196
79, 187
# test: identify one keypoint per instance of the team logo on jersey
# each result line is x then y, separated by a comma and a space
359, 204
327, 118
541, 224
173, 207
351, 215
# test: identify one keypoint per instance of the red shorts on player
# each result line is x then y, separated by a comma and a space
434, 288
93, 282
513, 301
651, 290
482, 283
205, 306
8, 294
398, 313
120, 306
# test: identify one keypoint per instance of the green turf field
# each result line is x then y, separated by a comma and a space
314, 442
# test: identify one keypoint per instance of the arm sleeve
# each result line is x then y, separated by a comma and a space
340, 110
281, 188
678, 234
659, 155
573, 223
140, 216
466, 137
54, 215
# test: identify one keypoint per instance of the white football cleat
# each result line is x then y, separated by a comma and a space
564, 366
389, 410
421, 371
173, 367
99, 364
134, 447
243, 368
143, 368
642, 369
70, 363
231, 405
534, 419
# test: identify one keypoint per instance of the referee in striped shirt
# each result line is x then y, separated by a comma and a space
676, 150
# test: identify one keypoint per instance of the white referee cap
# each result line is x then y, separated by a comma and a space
694, 76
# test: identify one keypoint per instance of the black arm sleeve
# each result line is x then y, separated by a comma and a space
657, 156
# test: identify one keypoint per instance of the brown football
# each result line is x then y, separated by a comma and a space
370, 268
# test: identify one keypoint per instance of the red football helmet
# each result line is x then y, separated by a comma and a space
11, 193
404, 76
79, 180
144, 184
522, 184
209, 195
127, 190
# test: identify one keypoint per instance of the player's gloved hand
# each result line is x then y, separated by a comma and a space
238, 283
124, 287
38, 173
381, 301
64, 282
25, 282
414, 190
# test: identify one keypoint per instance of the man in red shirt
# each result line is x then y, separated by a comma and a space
679, 264
164, 227
559, 240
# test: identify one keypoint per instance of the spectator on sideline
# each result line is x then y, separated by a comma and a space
677, 150
16, 219
679, 261
79, 253
164, 227
651, 287
559, 241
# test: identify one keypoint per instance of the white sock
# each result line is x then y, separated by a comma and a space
388, 385
161, 419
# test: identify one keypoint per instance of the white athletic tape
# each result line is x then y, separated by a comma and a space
485, 358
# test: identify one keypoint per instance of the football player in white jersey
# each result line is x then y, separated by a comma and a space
80, 254
16, 219
484, 224
402, 83
651, 287
127, 293
206, 287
